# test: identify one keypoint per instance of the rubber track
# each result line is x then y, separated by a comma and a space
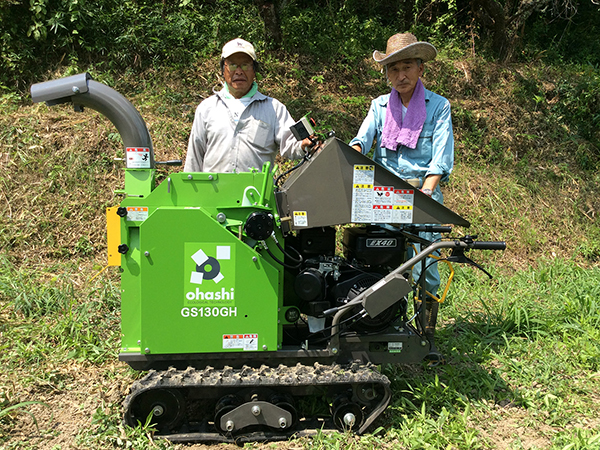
265, 376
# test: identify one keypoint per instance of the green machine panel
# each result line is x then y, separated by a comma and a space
205, 287
198, 286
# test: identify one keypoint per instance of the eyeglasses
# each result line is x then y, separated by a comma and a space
245, 67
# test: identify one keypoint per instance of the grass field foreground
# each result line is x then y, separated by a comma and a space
522, 349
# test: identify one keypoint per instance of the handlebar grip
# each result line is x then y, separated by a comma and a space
489, 245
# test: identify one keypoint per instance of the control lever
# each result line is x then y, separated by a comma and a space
458, 256
458, 252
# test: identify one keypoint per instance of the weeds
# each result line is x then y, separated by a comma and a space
528, 344
6, 410
107, 431
49, 319
522, 349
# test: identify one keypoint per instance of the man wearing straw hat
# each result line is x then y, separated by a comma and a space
239, 128
413, 131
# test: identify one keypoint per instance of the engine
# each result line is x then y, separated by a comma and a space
324, 280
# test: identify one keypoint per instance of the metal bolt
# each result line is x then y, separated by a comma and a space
75, 90
251, 194
282, 422
210, 177
139, 342
146, 253
349, 420
229, 425
423, 343
334, 350
256, 410
158, 411
254, 258
265, 347
190, 177
221, 217
147, 350
369, 393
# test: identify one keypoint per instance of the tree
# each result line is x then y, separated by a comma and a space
505, 20
270, 13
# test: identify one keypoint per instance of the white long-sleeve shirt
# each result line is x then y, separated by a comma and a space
221, 142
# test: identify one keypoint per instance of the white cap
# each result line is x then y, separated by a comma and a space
238, 46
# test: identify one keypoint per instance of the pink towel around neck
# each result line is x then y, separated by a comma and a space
404, 132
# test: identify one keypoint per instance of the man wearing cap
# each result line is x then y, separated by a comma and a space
413, 131
239, 128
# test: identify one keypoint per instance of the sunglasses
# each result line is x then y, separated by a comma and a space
245, 67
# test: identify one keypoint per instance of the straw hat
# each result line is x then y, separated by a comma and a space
238, 46
405, 46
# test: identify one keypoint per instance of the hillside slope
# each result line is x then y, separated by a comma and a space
523, 350
522, 173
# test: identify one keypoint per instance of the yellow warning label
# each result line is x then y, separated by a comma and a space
300, 219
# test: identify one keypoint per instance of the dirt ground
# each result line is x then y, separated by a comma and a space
65, 413
68, 411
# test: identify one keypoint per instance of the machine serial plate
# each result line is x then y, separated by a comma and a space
394, 347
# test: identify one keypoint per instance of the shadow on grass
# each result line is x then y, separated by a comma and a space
471, 374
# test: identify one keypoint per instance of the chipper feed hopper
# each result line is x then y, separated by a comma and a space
263, 308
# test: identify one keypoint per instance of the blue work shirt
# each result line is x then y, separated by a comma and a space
434, 154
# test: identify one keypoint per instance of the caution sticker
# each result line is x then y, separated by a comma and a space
403, 205
232, 341
379, 204
394, 347
300, 219
362, 193
246, 342
137, 213
250, 342
138, 157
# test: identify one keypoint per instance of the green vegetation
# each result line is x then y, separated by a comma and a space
523, 361
522, 350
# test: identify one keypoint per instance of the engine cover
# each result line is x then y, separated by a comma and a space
374, 246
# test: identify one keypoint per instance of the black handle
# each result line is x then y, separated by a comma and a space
489, 245
172, 162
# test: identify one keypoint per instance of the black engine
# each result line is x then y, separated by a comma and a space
325, 280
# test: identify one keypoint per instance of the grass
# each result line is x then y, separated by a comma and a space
50, 320
6, 410
522, 350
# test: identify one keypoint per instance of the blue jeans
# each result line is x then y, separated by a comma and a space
432, 275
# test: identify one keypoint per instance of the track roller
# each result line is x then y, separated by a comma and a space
286, 402
167, 407
225, 405
347, 415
